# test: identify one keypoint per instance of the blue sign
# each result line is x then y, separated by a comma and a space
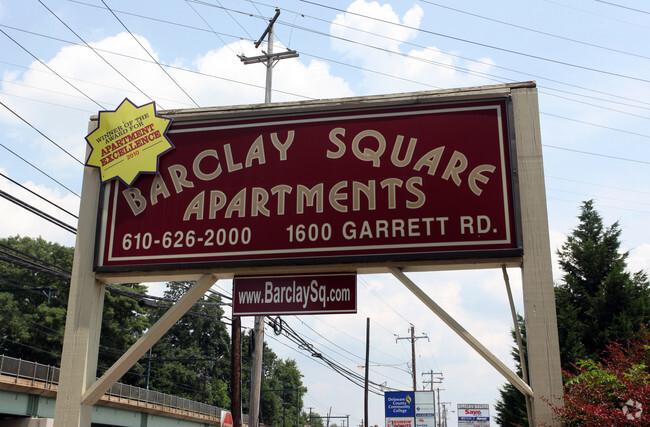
399, 404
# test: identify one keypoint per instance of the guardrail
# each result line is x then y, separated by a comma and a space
47, 376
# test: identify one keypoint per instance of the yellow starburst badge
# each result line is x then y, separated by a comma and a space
128, 142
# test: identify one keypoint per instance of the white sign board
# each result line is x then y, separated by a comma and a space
425, 412
473, 415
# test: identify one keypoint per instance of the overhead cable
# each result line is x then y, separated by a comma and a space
97, 53
39, 196
32, 165
511, 51
50, 68
150, 55
38, 212
41, 133
544, 33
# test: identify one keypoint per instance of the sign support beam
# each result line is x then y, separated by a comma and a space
537, 274
463, 333
84, 315
147, 340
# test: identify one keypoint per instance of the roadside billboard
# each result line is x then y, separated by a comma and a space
473, 415
387, 183
425, 409
399, 408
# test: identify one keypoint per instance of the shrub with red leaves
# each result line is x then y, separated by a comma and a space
615, 391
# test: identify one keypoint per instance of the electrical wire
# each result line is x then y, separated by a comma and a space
389, 38
41, 133
50, 68
38, 212
150, 55
97, 53
501, 49
281, 327
32, 165
544, 33
623, 7
39, 196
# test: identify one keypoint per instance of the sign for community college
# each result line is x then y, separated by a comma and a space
365, 184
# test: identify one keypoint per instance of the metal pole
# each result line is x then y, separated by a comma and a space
235, 372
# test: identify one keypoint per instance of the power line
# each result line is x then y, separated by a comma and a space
210, 27
226, 79
623, 7
536, 31
280, 327
537, 57
32, 165
411, 44
97, 53
50, 68
150, 55
600, 15
39, 196
597, 185
378, 35
596, 154
41, 133
480, 74
39, 260
38, 212
642, 135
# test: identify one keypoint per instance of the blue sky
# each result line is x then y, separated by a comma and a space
590, 60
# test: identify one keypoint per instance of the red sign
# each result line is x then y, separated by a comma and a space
363, 185
310, 294
226, 419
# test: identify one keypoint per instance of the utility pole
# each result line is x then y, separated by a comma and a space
365, 392
432, 380
439, 410
270, 59
444, 406
235, 373
413, 338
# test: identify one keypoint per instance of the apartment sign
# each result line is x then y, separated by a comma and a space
367, 184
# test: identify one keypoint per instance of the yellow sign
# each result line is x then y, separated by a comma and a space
128, 141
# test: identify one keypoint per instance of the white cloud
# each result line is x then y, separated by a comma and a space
238, 83
392, 53
639, 258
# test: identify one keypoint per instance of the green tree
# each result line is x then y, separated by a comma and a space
598, 301
193, 359
511, 408
316, 420
123, 322
277, 374
35, 280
